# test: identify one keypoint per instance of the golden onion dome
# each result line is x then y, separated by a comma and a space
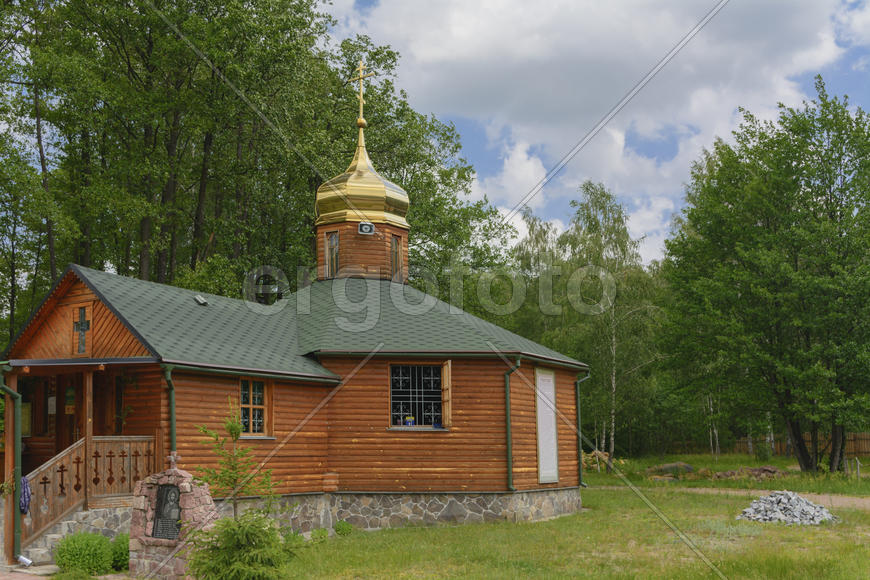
360, 194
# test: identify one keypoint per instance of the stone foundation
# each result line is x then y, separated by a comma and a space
109, 522
370, 511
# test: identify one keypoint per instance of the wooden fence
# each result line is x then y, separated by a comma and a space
857, 444
111, 467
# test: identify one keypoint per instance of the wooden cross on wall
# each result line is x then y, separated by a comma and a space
81, 327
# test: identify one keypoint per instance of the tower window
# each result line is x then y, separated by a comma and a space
331, 254
396, 258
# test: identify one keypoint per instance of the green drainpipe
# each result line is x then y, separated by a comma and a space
579, 432
167, 373
16, 478
507, 420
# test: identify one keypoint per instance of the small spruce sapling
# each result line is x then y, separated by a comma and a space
237, 472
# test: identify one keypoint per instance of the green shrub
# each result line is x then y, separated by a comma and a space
762, 451
91, 553
121, 552
249, 548
319, 535
292, 539
343, 528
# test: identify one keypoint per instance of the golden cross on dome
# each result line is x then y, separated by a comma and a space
361, 74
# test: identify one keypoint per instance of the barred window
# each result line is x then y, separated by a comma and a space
416, 398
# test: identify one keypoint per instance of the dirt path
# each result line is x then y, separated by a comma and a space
827, 500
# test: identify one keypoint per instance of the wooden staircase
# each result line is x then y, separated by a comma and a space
79, 477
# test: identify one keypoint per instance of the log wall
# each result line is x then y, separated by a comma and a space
50, 336
524, 428
351, 435
146, 402
203, 399
369, 456
361, 255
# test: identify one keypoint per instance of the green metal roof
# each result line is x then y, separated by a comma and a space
347, 315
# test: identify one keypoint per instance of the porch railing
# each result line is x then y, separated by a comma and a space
112, 466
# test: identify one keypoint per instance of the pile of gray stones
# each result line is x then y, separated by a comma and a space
787, 507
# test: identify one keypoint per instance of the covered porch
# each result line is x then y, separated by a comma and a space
87, 432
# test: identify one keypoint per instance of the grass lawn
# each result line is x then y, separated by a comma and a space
617, 536
635, 470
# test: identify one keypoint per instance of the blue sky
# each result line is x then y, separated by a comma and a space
523, 82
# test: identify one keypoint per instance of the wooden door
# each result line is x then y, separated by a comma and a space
70, 406
36, 430
107, 404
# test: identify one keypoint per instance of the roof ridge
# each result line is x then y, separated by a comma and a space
135, 280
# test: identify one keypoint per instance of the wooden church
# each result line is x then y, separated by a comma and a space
361, 393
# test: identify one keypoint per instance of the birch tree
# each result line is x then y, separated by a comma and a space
610, 314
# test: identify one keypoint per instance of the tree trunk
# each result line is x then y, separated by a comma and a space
199, 214
173, 253
125, 264
714, 429
146, 225
168, 201
145, 248
838, 448
802, 454
708, 406
13, 289
237, 246
612, 442
714, 409
43, 166
85, 242
769, 438
37, 258
749, 442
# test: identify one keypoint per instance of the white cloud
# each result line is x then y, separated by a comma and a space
521, 171
855, 24
651, 221
516, 220
538, 76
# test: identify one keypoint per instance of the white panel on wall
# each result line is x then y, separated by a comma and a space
548, 448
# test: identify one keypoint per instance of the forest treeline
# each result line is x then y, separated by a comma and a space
183, 141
